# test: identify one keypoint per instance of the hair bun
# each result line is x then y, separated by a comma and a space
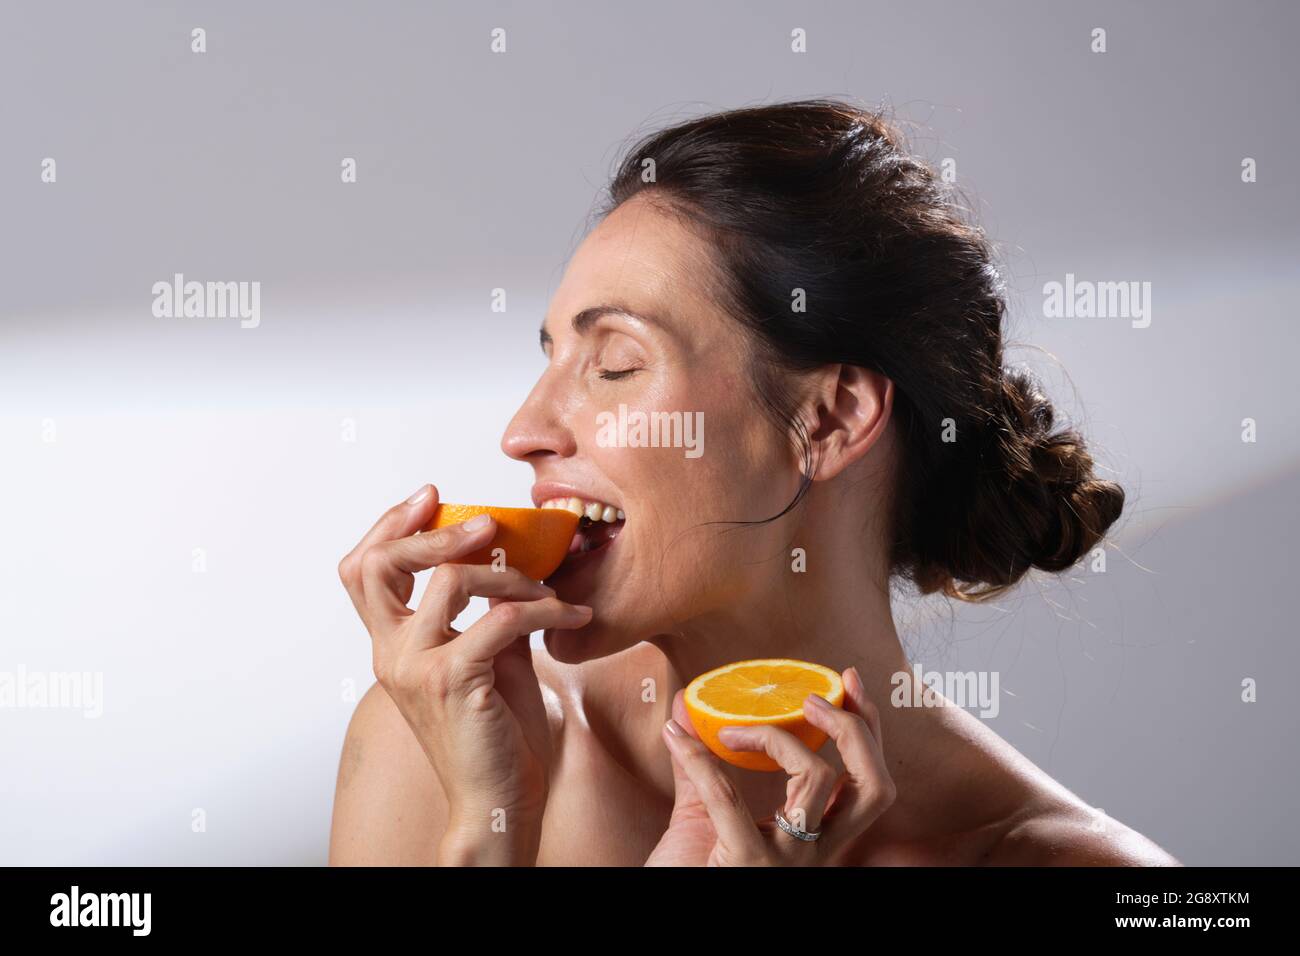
1038, 503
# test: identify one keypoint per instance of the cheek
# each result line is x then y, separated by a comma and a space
733, 469
742, 476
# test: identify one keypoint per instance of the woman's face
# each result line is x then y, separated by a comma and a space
648, 346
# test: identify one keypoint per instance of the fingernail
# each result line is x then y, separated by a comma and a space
731, 735
675, 728
476, 523
581, 607
420, 494
821, 703
547, 588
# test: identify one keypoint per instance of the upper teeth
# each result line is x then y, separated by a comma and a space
591, 510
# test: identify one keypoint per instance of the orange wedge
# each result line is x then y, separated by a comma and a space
748, 693
534, 540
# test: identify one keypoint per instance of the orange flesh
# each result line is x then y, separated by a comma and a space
763, 691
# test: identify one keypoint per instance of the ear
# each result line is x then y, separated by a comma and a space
849, 412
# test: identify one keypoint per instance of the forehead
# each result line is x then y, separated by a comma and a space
638, 255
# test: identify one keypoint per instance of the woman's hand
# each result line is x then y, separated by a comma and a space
472, 698
711, 826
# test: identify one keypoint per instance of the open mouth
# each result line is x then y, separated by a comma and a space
599, 523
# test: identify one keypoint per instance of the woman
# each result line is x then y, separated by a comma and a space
790, 278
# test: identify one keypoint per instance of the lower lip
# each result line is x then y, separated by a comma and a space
583, 558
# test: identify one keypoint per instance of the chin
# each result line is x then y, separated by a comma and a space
597, 577
605, 578
586, 643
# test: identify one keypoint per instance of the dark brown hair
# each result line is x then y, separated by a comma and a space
822, 196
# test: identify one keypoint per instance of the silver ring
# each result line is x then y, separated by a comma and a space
790, 828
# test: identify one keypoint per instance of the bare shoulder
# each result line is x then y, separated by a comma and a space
1067, 835
389, 808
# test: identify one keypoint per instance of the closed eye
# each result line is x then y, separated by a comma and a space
613, 375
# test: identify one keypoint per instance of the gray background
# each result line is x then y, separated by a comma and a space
228, 690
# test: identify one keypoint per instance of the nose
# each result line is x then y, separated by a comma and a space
538, 429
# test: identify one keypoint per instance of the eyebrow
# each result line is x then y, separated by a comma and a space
584, 320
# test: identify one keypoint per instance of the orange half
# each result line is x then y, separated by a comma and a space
534, 540
749, 693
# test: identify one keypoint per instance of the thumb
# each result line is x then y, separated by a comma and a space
686, 796
681, 715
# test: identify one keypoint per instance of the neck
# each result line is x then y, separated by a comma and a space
827, 617
830, 616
